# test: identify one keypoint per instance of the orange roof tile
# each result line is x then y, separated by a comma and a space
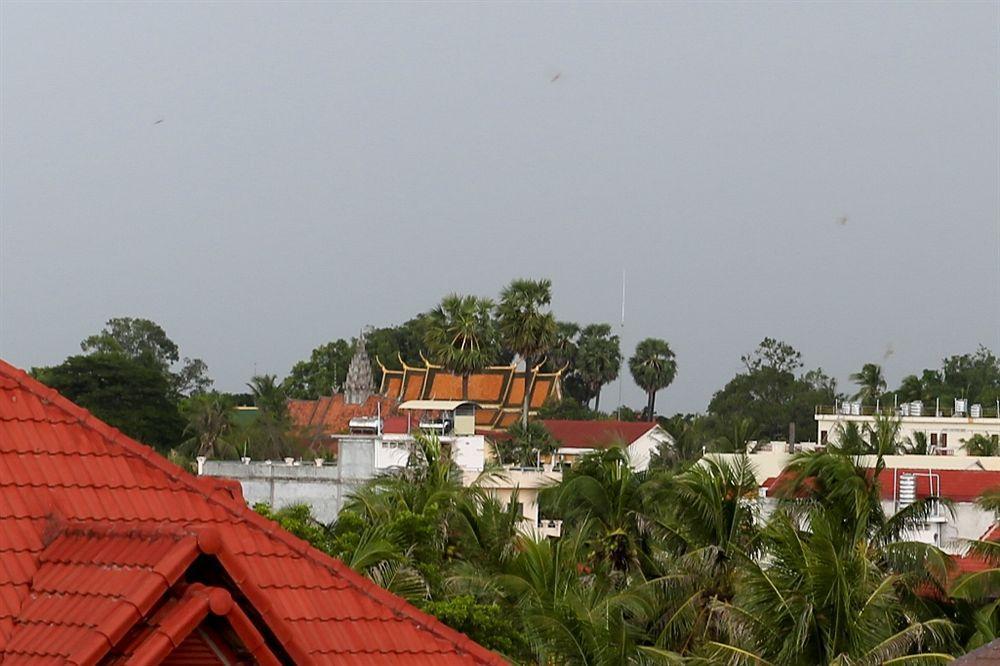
103, 542
596, 434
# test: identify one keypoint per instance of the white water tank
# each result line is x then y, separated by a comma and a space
907, 490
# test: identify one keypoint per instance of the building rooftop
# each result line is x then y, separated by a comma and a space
498, 391
111, 553
596, 434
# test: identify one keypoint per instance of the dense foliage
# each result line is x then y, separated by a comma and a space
665, 566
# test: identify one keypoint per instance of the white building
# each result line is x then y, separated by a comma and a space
946, 428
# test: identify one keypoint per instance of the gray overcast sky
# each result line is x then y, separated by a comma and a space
321, 167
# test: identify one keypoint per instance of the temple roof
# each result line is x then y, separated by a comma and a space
498, 390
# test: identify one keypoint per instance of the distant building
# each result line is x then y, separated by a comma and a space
640, 439
900, 486
498, 391
946, 428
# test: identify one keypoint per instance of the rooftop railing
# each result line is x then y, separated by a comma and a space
925, 409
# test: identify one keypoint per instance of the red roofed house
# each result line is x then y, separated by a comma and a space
900, 486
110, 554
578, 438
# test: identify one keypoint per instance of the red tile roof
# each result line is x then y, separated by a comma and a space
109, 552
958, 485
596, 434
330, 415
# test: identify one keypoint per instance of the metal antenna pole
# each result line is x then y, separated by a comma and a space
621, 369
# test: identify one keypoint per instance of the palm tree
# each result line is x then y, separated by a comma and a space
268, 395
606, 499
563, 350
982, 445
461, 336
209, 426
598, 359
831, 583
870, 381
525, 328
653, 368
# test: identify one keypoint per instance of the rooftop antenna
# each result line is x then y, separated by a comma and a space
618, 412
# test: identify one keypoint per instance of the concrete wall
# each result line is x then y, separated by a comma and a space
324, 489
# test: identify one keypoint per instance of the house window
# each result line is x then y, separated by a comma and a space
944, 439
934, 439
822, 437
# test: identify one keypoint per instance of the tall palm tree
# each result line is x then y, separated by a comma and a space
461, 336
870, 381
598, 358
526, 328
653, 368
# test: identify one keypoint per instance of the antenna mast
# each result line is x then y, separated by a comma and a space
618, 412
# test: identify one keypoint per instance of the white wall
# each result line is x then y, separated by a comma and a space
956, 429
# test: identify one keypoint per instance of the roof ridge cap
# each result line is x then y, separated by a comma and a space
149, 456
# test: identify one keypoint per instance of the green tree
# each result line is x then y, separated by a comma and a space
525, 444
208, 426
131, 395
146, 341
653, 367
461, 336
772, 395
870, 381
982, 445
325, 370
526, 328
598, 359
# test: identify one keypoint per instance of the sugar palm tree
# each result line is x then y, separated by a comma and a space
598, 358
461, 336
653, 368
526, 328
870, 381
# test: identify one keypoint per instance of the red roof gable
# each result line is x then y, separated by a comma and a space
958, 485
109, 552
596, 434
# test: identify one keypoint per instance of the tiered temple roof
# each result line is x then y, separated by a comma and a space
498, 390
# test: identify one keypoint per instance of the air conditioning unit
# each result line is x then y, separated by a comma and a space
976, 411
916, 408
961, 406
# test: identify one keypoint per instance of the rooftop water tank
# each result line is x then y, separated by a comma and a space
907, 490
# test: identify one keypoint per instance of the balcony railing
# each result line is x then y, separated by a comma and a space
926, 409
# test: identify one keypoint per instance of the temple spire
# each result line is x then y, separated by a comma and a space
359, 384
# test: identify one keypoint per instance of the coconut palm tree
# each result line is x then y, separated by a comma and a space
598, 358
653, 367
461, 336
982, 445
870, 381
268, 395
526, 328
833, 575
208, 425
